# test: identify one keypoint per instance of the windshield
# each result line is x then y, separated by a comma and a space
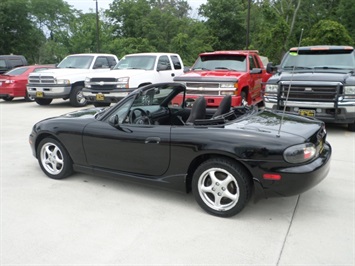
323, 59
229, 62
76, 61
145, 62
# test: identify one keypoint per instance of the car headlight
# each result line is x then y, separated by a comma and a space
271, 88
87, 82
123, 82
349, 92
63, 81
300, 153
229, 85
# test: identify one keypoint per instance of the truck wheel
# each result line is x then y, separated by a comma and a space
42, 101
77, 98
221, 187
29, 98
244, 96
351, 127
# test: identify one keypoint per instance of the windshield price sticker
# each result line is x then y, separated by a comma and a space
303, 112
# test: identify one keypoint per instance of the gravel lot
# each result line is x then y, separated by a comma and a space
88, 220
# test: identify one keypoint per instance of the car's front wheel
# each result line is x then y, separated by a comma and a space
54, 159
221, 187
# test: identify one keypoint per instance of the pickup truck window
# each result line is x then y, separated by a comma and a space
319, 60
230, 62
137, 62
82, 62
164, 63
176, 62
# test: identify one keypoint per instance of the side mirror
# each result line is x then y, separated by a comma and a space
113, 121
256, 71
270, 68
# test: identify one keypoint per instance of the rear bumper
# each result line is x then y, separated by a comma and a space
12, 91
295, 180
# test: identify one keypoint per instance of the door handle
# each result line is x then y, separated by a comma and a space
152, 140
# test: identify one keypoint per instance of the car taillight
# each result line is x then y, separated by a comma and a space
300, 153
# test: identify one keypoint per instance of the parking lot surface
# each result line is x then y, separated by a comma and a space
88, 220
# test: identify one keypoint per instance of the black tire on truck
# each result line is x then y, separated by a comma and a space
351, 127
43, 101
76, 97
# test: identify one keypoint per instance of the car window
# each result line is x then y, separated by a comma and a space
17, 71
164, 63
2, 63
101, 62
176, 62
137, 62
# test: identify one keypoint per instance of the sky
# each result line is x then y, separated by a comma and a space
85, 5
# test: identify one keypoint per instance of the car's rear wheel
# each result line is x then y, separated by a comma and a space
76, 97
8, 98
42, 101
54, 159
221, 187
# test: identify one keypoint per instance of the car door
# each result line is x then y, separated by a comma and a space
255, 79
165, 71
132, 148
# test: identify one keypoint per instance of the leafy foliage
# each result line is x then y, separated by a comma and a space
46, 31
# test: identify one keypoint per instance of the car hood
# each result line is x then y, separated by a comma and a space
117, 73
319, 75
210, 75
84, 113
268, 122
63, 72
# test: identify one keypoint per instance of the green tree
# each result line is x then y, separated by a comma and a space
226, 20
328, 32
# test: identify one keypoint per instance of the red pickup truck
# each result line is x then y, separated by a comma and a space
239, 73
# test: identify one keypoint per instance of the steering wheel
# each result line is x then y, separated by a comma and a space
142, 119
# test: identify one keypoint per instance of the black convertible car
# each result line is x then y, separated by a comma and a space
153, 136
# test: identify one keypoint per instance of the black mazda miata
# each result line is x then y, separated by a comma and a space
156, 136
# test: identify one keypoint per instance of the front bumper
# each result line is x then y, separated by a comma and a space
106, 96
295, 180
48, 91
327, 112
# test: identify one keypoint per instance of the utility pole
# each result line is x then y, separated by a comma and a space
248, 26
97, 28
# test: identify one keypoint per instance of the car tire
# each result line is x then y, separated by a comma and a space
42, 101
54, 159
97, 104
8, 98
351, 127
221, 187
29, 98
76, 97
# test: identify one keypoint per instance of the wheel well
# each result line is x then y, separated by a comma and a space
80, 83
202, 158
43, 136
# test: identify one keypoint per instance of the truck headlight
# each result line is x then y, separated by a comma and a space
123, 83
63, 81
300, 153
271, 88
229, 85
87, 82
349, 92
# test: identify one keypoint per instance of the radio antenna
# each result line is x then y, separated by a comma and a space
289, 87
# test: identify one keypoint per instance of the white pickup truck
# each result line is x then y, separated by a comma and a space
132, 72
67, 79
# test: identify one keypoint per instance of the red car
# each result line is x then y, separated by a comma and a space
13, 83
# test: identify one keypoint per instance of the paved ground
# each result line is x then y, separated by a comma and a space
87, 220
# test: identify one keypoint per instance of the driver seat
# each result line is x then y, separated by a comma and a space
198, 111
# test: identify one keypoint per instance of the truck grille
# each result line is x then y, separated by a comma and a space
103, 83
201, 88
202, 85
319, 93
41, 79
